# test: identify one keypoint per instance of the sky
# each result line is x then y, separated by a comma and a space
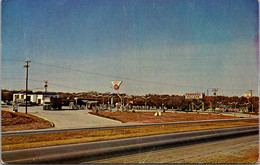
153, 46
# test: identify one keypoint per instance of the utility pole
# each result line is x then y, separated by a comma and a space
251, 92
26, 66
214, 90
46, 85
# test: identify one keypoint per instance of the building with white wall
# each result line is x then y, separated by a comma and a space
36, 98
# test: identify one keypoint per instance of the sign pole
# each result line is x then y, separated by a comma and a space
116, 85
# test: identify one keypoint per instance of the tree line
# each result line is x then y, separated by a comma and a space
170, 101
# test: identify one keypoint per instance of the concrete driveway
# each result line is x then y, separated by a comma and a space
67, 118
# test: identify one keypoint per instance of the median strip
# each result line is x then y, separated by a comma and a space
82, 152
50, 139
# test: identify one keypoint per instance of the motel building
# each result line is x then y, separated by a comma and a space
35, 98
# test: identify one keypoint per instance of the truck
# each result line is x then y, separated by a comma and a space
51, 103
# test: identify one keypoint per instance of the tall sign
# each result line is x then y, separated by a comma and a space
116, 84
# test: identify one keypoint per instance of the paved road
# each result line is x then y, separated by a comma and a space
235, 150
82, 152
68, 118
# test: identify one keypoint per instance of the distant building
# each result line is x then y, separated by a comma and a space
36, 98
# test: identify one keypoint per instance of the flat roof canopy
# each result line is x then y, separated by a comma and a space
90, 102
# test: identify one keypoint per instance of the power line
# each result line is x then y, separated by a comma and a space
124, 78
41, 82
5, 59
117, 77
59, 85
11, 78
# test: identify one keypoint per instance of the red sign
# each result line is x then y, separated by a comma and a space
116, 87
116, 84
208, 98
194, 95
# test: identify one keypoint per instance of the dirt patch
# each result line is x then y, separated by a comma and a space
148, 117
11, 121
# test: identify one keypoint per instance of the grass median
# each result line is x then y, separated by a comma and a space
49, 139
17, 121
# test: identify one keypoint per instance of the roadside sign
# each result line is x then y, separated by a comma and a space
247, 95
116, 87
116, 84
194, 95
208, 98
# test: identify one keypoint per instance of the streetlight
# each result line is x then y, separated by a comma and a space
95, 95
107, 94
250, 104
127, 102
145, 98
121, 98
235, 104
219, 103
103, 100
162, 103
108, 103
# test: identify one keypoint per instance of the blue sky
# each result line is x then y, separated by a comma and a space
154, 46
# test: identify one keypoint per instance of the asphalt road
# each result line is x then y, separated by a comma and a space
82, 152
235, 150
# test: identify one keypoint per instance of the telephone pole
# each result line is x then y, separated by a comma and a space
26, 66
214, 90
46, 85
251, 92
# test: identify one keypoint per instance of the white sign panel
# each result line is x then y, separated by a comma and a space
194, 95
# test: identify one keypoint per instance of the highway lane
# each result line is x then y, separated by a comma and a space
235, 150
74, 153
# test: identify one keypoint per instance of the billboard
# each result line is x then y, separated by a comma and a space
194, 95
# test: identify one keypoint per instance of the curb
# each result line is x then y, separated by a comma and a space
52, 124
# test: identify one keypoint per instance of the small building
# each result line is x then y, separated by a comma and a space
36, 98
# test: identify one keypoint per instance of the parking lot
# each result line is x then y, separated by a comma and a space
66, 118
